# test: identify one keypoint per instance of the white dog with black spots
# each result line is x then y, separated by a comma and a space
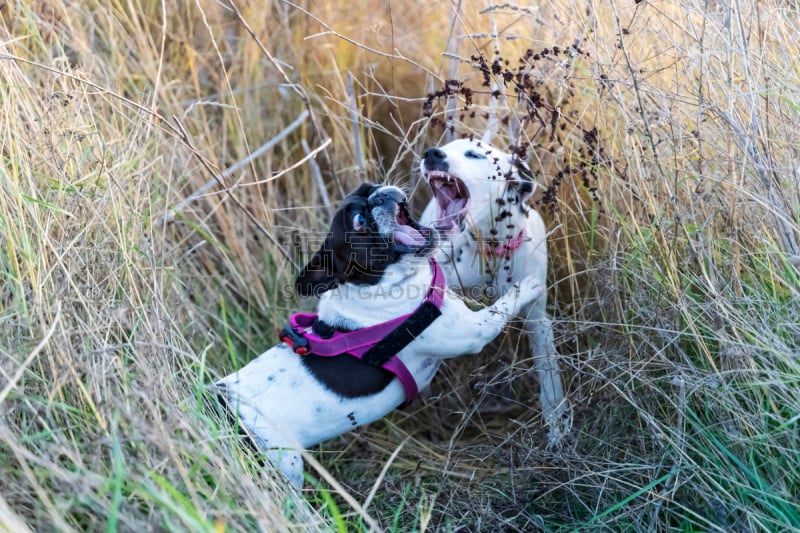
493, 240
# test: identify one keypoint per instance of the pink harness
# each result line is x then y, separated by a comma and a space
376, 345
506, 249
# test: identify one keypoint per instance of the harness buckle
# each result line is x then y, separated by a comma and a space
295, 339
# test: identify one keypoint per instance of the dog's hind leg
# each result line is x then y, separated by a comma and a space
545, 361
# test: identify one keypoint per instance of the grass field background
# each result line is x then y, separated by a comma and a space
145, 253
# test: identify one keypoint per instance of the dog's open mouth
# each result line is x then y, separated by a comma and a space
409, 235
452, 199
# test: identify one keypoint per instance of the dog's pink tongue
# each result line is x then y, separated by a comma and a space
455, 207
446, 219
409, 236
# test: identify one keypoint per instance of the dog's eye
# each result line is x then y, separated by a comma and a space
359, 222
472, 154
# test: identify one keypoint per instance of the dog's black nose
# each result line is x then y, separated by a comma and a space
435, 159
386, 194
434, 155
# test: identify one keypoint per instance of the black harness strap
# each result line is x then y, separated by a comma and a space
402, 335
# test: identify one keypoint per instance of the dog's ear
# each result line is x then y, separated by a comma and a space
318, 275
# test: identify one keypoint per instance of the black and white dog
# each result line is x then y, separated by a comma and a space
494, 239
374, 273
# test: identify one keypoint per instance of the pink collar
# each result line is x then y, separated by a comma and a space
377, 345
506, 249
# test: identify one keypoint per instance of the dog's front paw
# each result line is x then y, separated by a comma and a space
529, 290
559, 425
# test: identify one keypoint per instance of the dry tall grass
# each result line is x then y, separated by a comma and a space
675, 290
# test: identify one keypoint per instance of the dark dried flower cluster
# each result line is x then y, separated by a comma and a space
539, 90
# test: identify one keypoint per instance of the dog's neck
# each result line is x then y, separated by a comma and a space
400, 291
498, 220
